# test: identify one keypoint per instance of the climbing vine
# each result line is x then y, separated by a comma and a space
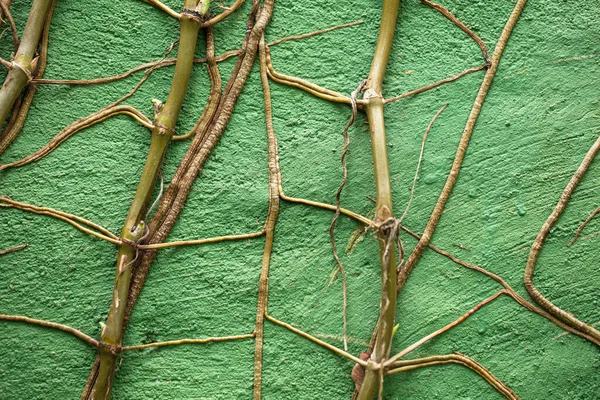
165, 183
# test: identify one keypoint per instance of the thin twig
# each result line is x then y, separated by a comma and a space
188, 341
13, 249
444, 11
317, 341
340, 265
412, 189
580, 229
444, 329
436, 84
47, 324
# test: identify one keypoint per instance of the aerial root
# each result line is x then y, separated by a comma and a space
97, 344
538, 243
188, 341
455, 358
78, 126
163, 7
444, 11
444, 329
580, 229
340, 265
13, 249
47, 324
317, 341
510, 291
11, 22
112, 238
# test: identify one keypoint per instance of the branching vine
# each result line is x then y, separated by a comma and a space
144, 232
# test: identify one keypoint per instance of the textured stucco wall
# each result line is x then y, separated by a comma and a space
538, 121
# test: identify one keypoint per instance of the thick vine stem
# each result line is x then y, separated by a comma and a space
383, 211
175, 195
20, 108
462, 147
134, 228
23, 63
536, 248
272, 215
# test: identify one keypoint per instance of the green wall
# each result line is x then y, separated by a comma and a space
539, 120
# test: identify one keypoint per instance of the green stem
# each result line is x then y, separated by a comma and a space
20, 74
374, 111
134, 227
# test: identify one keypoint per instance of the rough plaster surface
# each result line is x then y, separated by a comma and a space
539, 119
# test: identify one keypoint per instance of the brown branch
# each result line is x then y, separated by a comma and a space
317, 341
11, 22
455, 358
436, 84
69, 218
580, 229
47, 324
340, 265
78, 126
462, 147
536, 248
444, 11
13, 249
271, 221
444, 329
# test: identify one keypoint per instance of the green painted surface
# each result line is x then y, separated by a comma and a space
539, 119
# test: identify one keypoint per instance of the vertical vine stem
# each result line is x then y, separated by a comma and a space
134, 228
23, 63
383, 211
272, 215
